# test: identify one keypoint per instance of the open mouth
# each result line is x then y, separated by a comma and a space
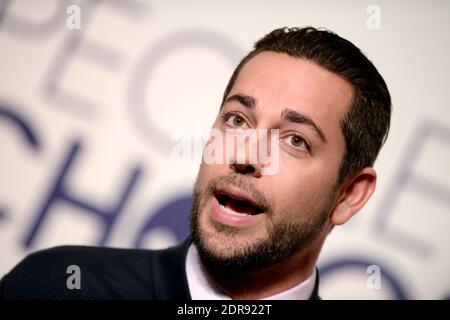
237, 205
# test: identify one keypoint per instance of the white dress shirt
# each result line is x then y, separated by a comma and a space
202, 288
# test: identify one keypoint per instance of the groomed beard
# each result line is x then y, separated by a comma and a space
286, 237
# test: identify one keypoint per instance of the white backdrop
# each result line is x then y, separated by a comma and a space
86, 117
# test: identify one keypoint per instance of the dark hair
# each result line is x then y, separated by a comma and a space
366, 124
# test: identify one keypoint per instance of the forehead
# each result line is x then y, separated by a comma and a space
279, 81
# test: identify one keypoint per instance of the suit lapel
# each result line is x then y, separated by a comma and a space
169, 273
315, 293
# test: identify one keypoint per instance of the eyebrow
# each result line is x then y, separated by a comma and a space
246, 101
288, 114
297, 117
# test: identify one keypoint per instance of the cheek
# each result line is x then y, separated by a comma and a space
295, 190
303, 186
203, 177
207, 172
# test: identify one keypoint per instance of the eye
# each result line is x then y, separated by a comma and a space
297, 142
235, 120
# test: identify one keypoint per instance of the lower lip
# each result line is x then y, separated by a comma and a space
222, 217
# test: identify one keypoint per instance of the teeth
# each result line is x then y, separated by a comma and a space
231, 211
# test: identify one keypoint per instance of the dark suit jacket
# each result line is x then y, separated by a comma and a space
106, 273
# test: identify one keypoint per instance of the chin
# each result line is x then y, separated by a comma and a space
225, 242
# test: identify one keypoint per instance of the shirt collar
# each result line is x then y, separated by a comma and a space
201, 286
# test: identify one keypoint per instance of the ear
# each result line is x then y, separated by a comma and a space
354, 195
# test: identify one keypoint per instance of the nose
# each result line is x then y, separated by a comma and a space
247, 169
244, 161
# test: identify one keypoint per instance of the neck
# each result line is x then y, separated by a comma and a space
269, 281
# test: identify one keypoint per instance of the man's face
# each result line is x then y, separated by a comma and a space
290, 208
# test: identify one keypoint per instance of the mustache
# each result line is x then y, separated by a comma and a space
242, 183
